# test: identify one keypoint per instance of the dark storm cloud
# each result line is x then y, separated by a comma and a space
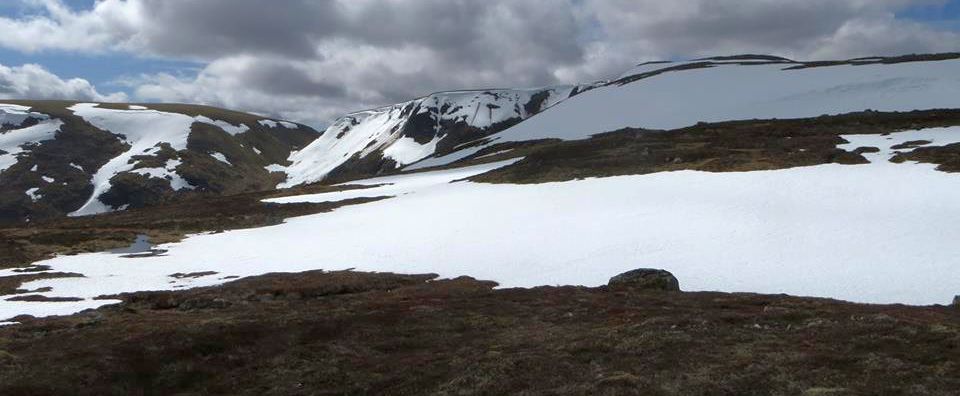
211, 28
285, 79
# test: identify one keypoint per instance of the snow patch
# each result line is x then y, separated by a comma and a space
392, 186
220, 157
357, 134
168, 172
274, 124
227, 127
406, 150
12, 142
33, 194
936, 137
14, 115
275, 168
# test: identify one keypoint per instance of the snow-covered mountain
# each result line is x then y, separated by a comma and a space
84, 158
387, 138
671, 95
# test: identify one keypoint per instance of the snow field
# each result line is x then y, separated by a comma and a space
874, 233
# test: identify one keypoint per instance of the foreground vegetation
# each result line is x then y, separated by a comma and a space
362, 333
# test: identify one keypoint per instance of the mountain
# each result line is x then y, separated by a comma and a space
671, 95
385, 139
72, 158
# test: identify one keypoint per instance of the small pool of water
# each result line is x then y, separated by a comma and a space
140, 245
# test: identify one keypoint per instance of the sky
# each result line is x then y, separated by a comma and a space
314, 60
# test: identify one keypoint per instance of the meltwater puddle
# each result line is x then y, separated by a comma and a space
141, 247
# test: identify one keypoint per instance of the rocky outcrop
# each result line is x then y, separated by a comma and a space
645, 279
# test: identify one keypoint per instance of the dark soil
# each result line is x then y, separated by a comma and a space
12, 284
41, 298
346, 333
910, 144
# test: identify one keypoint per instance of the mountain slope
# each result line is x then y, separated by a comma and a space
670, 95
384, 139
83, 158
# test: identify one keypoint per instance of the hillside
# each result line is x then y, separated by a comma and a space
59, 158
671, 95
382, 140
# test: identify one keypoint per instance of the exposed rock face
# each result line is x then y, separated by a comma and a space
645, 279
956, 301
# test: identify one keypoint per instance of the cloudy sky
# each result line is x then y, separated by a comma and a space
313, 60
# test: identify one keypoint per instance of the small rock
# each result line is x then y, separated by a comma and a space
645, 279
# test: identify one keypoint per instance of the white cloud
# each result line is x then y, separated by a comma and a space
32, 81
858, 37
312, 60
112, 24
